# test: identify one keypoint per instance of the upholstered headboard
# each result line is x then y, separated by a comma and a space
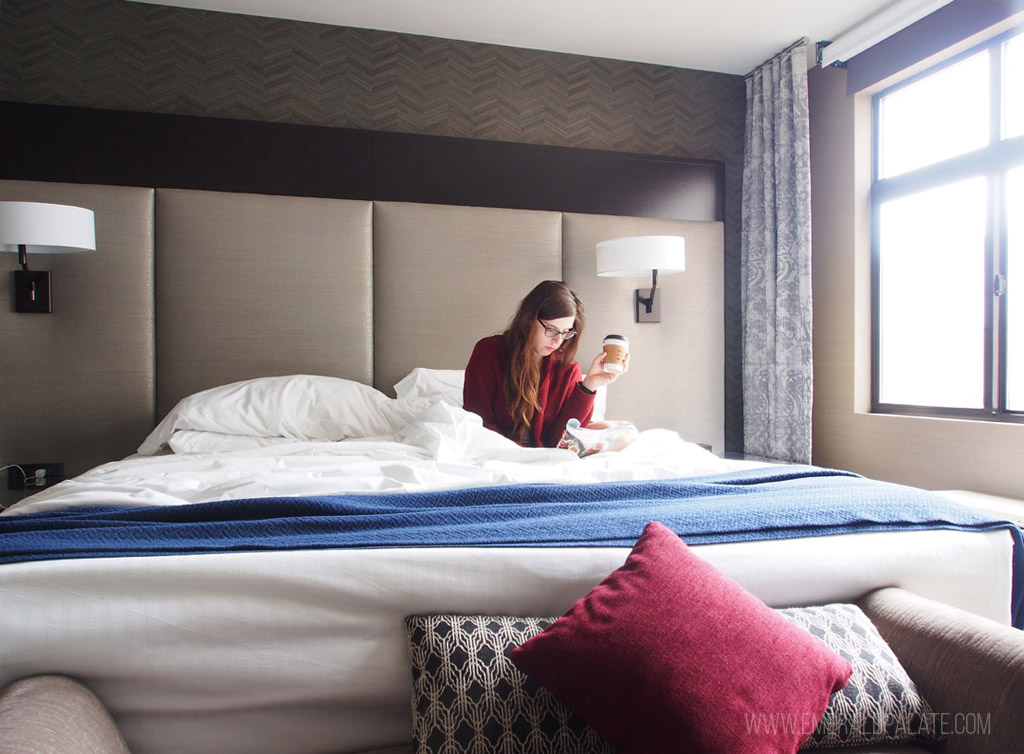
190, 289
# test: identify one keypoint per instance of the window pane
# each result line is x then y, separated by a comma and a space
932, 297
1013, 87
939, 116
1015, 290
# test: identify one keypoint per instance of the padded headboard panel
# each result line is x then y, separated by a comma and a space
676, 376
251, 285
444, 277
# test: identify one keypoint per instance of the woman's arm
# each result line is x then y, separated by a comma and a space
573, 403
576, 401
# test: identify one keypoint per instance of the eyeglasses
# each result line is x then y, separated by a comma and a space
554, 332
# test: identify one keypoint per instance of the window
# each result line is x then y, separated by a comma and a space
948, 243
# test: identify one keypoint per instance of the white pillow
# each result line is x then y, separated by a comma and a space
197, 441
445, 384
305, 407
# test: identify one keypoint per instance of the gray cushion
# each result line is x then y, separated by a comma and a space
965, 664
880, 703
56, 715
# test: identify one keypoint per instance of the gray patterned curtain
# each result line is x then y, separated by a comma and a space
776, 261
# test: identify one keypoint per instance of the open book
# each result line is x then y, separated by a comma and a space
601, 437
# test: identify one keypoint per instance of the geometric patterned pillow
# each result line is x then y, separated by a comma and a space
468, 697
880, 703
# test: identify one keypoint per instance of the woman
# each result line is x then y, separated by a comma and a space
525, 383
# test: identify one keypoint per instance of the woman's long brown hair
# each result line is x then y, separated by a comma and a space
549, 300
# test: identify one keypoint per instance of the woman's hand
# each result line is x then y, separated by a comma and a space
597, 377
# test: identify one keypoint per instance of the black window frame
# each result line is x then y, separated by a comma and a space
991, 162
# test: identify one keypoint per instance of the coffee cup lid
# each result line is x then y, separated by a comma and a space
614, 338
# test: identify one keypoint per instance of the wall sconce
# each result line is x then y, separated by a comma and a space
47, 229
635, 256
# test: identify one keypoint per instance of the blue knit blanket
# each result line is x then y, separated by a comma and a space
756, 504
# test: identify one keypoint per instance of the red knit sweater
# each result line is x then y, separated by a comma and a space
559, 394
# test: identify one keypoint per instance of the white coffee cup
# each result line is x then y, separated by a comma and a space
615, 348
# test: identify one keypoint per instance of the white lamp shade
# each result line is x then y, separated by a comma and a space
636, 256
46, 228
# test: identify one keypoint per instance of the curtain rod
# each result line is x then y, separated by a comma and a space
802, 41
874, 29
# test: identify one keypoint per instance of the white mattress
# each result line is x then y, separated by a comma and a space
305, 651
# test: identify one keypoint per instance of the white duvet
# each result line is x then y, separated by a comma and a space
436, 446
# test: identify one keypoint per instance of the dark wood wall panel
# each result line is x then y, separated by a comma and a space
84, 145
521, 176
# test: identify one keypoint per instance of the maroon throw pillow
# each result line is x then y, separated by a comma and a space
669, 654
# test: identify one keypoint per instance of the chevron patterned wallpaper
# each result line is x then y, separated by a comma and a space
133, 56
123, 55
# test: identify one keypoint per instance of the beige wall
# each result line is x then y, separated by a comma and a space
77, 386
675, 374
927, 452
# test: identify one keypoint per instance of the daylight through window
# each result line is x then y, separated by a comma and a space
948, 213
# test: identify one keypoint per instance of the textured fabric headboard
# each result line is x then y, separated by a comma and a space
443, 277
192, 289
249, 285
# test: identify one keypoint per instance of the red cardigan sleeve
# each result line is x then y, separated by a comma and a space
566, 400
481, 390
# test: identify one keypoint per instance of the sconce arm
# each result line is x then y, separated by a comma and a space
649, 301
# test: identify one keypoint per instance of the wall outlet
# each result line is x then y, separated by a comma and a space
54, 472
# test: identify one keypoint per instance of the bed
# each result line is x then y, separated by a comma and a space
207, 628
228, 586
